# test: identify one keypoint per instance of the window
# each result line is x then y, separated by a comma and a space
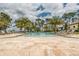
73, 26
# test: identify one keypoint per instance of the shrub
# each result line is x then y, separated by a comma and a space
76, 31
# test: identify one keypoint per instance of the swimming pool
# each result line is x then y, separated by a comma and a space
40, 34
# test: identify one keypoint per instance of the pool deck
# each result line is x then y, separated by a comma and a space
38, 46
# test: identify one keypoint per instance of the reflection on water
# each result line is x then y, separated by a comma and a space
41, 34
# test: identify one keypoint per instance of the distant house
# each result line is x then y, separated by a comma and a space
73, 26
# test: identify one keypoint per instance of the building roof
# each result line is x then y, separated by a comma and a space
74, 23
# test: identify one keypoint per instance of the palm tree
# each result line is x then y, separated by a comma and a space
29, 26
39, 24
77, 13
19, 24
66, 26
5, 21
68, 17
45, 27
24, 23
55, 21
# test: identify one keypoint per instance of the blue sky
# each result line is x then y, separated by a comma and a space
17, 10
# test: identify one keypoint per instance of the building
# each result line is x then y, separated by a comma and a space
74, 26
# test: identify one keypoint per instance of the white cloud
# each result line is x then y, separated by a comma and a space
17, 10
28, 9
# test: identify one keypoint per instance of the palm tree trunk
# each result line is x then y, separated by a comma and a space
54, 28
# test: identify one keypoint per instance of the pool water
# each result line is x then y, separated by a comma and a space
40, 34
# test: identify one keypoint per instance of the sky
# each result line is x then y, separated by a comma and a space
16, 10
36, 10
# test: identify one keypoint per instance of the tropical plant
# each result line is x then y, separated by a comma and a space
45, 27
66, 26
55, 21
39, 24
68, 17
24, 23
5, 21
